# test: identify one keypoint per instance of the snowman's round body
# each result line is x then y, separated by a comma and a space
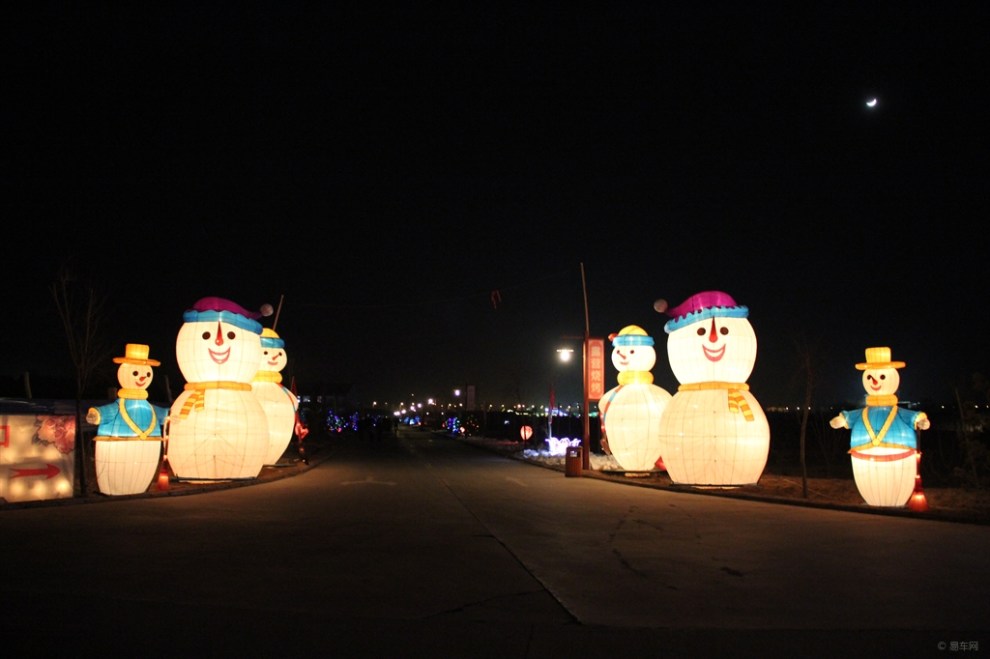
703, 445
278, 402
714, 432
631, 416
885, 476
217, 427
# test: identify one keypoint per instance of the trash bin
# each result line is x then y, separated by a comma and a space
572, 462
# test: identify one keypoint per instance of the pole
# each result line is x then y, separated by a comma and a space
278, 312
586, 440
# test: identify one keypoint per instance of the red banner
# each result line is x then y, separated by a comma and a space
595, 364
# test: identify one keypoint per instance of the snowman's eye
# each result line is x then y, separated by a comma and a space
231, 334
724, 331
265, 353
134, 374
206, 336
883, 377
148, 374
702, 331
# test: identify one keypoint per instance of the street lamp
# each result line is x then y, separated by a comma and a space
592, 373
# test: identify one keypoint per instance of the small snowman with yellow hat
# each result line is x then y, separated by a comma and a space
883, 445
129, 430
279, 403
630, 413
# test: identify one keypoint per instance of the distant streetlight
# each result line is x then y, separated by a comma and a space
462, 414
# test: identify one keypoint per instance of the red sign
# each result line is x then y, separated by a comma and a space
595, 375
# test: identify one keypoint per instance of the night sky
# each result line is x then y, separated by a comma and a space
419, 187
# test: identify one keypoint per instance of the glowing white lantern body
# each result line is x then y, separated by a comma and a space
884, 476
279, 403
217, 427
713, 432
883, 442
129, 430
631, 412
126, 466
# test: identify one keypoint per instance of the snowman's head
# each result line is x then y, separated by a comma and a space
881, 381
632, 350
217, 343
880, 376
135, 376
135, 371
710, 339
273, 357
716, 349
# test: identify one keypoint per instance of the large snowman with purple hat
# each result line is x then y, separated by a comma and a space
217, 428
713, 431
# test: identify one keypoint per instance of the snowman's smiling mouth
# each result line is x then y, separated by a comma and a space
714, 355
220, 357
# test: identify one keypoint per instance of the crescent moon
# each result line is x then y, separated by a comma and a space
871, 103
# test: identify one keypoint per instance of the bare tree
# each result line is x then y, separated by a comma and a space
972, 424
81, 309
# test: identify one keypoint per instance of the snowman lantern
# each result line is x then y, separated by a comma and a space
713, 432
217, 429
129, 430
883, 444
279, 403
630, 413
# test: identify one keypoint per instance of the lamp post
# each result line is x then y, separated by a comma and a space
592, 374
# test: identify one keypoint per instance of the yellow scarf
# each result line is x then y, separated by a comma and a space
737, 402
635, 377
268, 376
195, 401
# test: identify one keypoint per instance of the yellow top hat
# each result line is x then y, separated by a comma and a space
878, 358
136, 353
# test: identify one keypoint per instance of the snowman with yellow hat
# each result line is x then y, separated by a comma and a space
129, 430
883, 444
630, 413
279, 403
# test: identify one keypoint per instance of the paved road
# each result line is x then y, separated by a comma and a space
420, 546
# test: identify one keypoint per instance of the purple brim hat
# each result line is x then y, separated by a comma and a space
702, 306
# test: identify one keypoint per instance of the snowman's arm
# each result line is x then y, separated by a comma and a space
93, 416
922, 422
839, 422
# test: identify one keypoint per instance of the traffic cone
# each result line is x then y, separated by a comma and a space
918, 503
